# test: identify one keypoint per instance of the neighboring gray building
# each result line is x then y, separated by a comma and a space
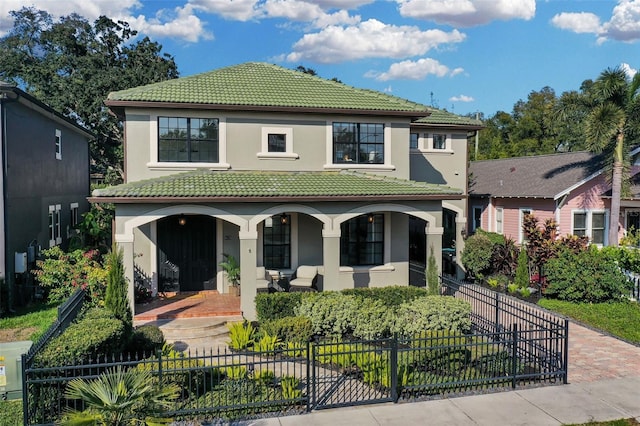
44, 183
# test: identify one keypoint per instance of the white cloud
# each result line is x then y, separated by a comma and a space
461, 98
180, 23
581, 22
303, 11
467, 13
624, 24
369, 39
388, 89
630, 72
413, 70
239, 10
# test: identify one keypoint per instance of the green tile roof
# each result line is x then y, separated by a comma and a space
442, 117
264, 85
239, 185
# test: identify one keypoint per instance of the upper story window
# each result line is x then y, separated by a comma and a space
58, 146
277, 143
193, 140
413, 140
360, 143
439, 141
55, 226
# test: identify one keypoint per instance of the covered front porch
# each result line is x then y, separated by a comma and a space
359, 240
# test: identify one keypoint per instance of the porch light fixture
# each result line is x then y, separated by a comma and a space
182, 220
284, 219
370, 218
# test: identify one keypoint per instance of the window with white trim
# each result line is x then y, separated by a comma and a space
55, 226
413, 140
499, 220
523, 212
476, 218
358, 143
591, 224
187, 139
73, 218
362, 241
277, 142
439, 141
58, 145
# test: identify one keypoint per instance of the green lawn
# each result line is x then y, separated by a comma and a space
620, 319
28, 323
621, 422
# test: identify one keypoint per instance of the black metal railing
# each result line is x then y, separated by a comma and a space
512, 345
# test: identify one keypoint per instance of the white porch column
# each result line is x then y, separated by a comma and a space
331, 259
434, 241
127, 262
248, 265
461, 225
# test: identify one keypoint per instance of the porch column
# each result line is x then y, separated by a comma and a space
127, 262
331, 259
461, 228
248, 262
434, 241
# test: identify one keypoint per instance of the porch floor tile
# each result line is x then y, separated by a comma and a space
199, 304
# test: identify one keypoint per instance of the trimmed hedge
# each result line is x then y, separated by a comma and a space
289, 329
331, 313
389, 296
433, 313
145, 340
276, 305
96, 333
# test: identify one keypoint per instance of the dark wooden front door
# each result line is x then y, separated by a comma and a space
187, 253
417, 251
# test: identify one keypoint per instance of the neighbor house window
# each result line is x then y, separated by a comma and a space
188, 140
476, 219
439, 141
58, 146
413, 140
361, 143
362, 241
523, 212
276, 246
499, 220
590, 224
73, 218
55, 226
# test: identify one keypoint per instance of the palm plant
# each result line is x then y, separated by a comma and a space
120, 397
612, 121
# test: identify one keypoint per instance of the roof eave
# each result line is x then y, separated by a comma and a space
280, 199
464, 126
118, 107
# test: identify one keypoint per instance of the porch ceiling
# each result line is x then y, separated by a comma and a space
258, 186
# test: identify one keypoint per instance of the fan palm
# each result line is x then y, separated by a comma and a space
119, 397
612, 122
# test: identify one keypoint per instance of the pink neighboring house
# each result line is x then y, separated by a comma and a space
568, 187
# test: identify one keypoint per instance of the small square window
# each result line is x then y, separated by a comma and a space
277, 142
439, 141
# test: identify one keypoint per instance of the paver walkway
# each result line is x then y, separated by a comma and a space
594, 356
201, 304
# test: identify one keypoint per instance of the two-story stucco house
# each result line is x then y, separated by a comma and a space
283, 169
44, 183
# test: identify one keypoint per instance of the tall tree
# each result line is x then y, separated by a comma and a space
612, 122
72, 65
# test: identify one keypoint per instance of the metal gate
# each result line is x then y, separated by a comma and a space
352, 373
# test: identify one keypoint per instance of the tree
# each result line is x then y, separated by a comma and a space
433, 282
72, 65
116, 299
613, 121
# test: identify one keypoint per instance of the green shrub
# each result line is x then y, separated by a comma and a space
331, 313
289, 329
433, 281
522, 271
590, 276
390, 296
189, 374
271, 306
96, 333
242, 335
267, 343
627, 257
441, 351
498, 282
433, 313
145, 340
476, 255
372, 319
116, 299
494, 237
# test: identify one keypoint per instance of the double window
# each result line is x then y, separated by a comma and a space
55, 226
276, 246
359, 143
188, 140
592, 224
362, 241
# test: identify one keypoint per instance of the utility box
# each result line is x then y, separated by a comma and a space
20, 263
11, 368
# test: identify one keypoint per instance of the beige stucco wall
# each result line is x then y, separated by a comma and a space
241, 136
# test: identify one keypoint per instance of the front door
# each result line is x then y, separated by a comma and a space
417, 251
186, 253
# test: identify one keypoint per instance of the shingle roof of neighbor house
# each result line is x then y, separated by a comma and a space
541, 176
444, 118
261, 85
206, 185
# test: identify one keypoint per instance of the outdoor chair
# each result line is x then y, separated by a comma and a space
304, 278
263, 279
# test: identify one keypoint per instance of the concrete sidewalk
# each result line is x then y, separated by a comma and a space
554, 405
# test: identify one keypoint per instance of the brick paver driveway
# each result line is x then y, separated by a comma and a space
596, 356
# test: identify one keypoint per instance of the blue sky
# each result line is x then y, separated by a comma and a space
462, 55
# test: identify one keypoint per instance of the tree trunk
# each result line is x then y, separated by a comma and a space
616, 189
